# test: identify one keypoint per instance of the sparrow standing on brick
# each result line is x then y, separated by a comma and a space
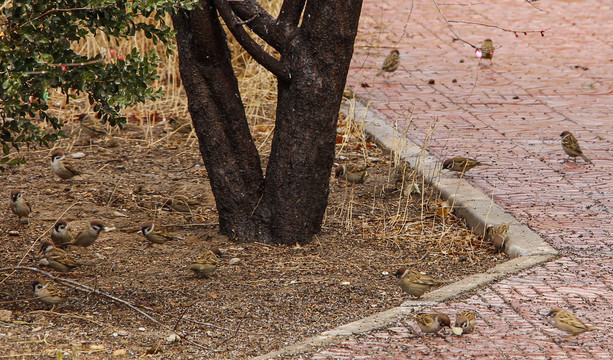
391, 62
62, 168
206, 265
87, 236
464, 323
566, 321
48, 293
432, 323
19, 205
156, 235
60, 235
571, 146
352, 173
415, 283
487, 50
59, 259
461, 164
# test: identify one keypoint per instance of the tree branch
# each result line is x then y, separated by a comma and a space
260, 22
262, 57
290, 13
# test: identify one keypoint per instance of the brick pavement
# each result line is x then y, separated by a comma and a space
536, 88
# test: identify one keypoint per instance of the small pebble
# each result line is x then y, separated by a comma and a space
78, 155
234, 261
14, 233
172, 338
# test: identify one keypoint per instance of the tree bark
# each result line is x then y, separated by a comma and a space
218, 114
288, 205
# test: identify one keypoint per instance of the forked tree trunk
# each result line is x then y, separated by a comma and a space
288, 205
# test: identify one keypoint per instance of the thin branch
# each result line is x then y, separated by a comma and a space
241, 23
531, 2
496, 26
262, 57
260, 22
82, 287
49, 12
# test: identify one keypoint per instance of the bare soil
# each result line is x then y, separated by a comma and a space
274, 297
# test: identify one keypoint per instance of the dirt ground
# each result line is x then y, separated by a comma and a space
275, 296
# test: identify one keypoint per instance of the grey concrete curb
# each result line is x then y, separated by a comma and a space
524, 246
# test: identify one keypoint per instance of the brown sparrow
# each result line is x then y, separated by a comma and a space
87, 236
182, 125
59, 259
391, 62
91, 127
432, 323
464, 323
414, 283
182, 203
461, 164
155, 235
487, 50
566, 321
497, 234
206, 265
48, 293
19, 205
571, 146
351, 173
60, 235
62, 168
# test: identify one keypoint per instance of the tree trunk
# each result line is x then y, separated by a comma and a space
288, 205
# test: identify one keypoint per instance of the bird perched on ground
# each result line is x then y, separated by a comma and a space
182, 203
156, 235
464, 323
432, 323
59, 259
182, 125
415, 283
62, 168
568, 322
19, 205
571, 146
91, 126
461, 164
487, 50
60, 235
48, 292
87, 236
352, 173
498, 235
391, 62
206, 265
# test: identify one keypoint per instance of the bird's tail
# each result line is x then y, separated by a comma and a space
380, 72
585, 158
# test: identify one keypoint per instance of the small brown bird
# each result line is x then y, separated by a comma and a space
566, 321
464, 323
181, 125
48, 293
182, 203
391, 62
60, 235
415, 283
461, 164
19, 205
352, 173
487, 50
62, 168
156, 235
498, 235
91, 127
571, 146
59, 259
206, 265
87, 236
432, 323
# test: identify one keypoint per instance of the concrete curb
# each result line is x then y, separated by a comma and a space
524, 246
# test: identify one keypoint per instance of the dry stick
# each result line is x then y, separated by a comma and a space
70, 315
82, 287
